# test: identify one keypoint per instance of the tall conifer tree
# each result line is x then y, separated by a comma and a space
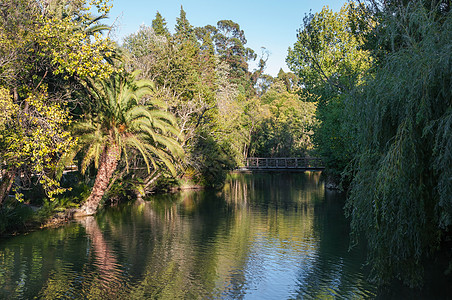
184, 30
159, 25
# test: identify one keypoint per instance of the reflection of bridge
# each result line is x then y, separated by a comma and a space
283, 163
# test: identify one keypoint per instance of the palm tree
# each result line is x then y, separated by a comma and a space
121, 123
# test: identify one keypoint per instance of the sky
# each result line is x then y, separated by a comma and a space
271, 24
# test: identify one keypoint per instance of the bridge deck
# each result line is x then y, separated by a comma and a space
282, 163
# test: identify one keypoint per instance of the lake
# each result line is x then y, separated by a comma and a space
264, 236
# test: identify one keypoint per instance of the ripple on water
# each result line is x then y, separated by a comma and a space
262, 242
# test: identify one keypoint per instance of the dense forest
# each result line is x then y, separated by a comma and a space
160, 110
370, 92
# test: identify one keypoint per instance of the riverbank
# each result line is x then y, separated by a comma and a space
21, 218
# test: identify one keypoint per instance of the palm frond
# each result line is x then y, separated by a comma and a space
136, 143
164, 157
120, 120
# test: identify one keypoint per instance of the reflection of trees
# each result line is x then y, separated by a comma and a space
30, 262
191, 245
334, 262
99, 276
189, 269
307, 221
201, 244
197, 245
60, 263
274, 218
165, 241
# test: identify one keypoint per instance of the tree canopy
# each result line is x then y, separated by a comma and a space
381, 72
369, 92
401, 191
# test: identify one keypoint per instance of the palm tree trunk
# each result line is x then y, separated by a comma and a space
108, 163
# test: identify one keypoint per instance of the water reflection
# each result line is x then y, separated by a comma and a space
338, 272
108, 269
265, 236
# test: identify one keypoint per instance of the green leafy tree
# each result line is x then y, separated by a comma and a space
120, 123
290, 80
230, 44
236, 117
202, 74
287, 131
9, 109
328, 57
184, 76
180, 71
400, 197
205, 36
263, 84
35, 151
329, 60
45, 50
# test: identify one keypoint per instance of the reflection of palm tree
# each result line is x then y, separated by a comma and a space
109, 283
119, 124
106, 261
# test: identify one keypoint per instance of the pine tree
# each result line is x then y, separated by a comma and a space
184, 30
159, 25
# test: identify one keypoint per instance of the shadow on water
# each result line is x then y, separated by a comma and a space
264, 236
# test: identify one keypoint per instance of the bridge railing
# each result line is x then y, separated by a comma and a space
283, 163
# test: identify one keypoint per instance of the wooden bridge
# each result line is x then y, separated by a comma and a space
283, 163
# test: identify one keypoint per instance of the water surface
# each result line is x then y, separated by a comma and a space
264, 236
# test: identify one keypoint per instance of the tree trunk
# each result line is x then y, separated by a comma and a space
5, 185
108, 163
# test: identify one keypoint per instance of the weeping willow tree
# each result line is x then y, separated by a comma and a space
401, 195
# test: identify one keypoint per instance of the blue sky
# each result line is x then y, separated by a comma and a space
271, 24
